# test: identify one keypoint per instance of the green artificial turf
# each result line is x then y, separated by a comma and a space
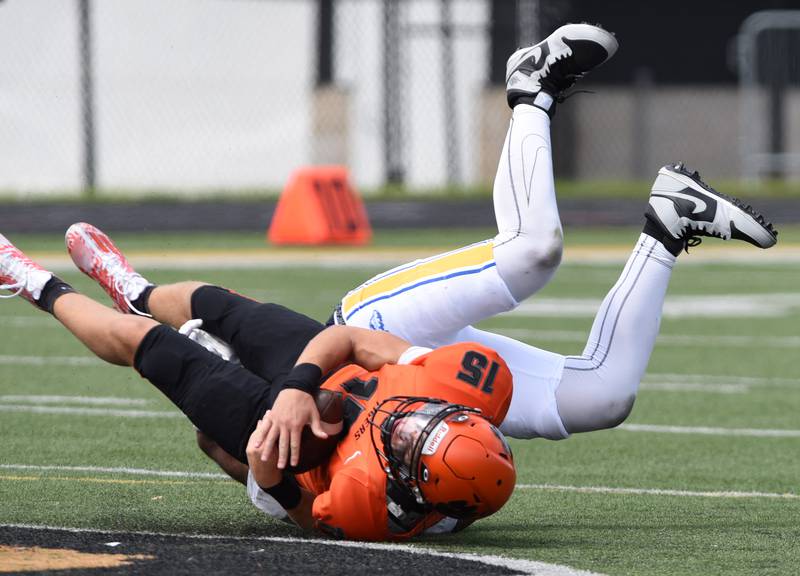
746, 383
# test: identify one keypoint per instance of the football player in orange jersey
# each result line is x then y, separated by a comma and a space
444, 460
408, 460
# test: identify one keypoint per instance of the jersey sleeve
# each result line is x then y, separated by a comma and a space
467, 373
349, 509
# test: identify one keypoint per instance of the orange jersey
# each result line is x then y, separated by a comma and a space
354, 499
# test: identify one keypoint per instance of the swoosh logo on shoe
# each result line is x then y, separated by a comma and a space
538, 59
699, 205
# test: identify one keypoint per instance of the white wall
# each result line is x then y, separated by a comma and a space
189, 93
196, 95
39, 96
215, 94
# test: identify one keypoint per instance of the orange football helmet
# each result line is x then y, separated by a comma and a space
447, 455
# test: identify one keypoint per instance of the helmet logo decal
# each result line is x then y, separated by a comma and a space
435, 438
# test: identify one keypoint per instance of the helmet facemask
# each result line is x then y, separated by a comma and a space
411, 426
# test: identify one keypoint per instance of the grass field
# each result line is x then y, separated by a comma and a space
704, 478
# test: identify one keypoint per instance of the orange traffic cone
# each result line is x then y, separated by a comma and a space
318, 206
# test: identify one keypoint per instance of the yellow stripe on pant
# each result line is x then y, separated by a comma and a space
438, 268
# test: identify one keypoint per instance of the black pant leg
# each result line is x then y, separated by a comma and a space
222, 399
267, 338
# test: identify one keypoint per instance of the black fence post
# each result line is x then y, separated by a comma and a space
503, 38
392, 96
87, 99
325, 42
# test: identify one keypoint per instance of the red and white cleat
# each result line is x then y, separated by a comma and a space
19, 274
95, 255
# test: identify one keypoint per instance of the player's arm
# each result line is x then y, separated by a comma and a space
282, 487
337, 345
294, 407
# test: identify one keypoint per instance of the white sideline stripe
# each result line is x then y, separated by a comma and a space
659, 492
89, 411
52, 360
701, 340
91, 400
357, 258
526, 567
555, 487
754, 432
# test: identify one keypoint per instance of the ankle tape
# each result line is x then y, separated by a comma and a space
52, 291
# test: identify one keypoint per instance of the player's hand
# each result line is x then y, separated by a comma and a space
283, 426
265, 473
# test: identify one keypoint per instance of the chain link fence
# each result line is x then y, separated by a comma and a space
197, 96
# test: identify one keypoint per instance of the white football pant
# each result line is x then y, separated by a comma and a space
434, 301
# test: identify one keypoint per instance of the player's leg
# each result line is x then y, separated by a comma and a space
223, 399
112, 336
427, 301
266, 338
598, 388
556, 395
230, 465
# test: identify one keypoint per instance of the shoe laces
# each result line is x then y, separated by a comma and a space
691, 240
122, 277
17, 267
562, 97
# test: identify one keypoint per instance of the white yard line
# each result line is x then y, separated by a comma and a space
712, 383
721, 379
702, 340
90, 400
695, 387
554, 487
89, 411
659, 492
652, 428
8, 359
705, 430
40, 321
527, 567
759, 305
123, 470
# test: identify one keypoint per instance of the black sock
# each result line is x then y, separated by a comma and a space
674, 245
54, 288
141, 303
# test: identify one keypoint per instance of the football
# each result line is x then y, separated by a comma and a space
314, 451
